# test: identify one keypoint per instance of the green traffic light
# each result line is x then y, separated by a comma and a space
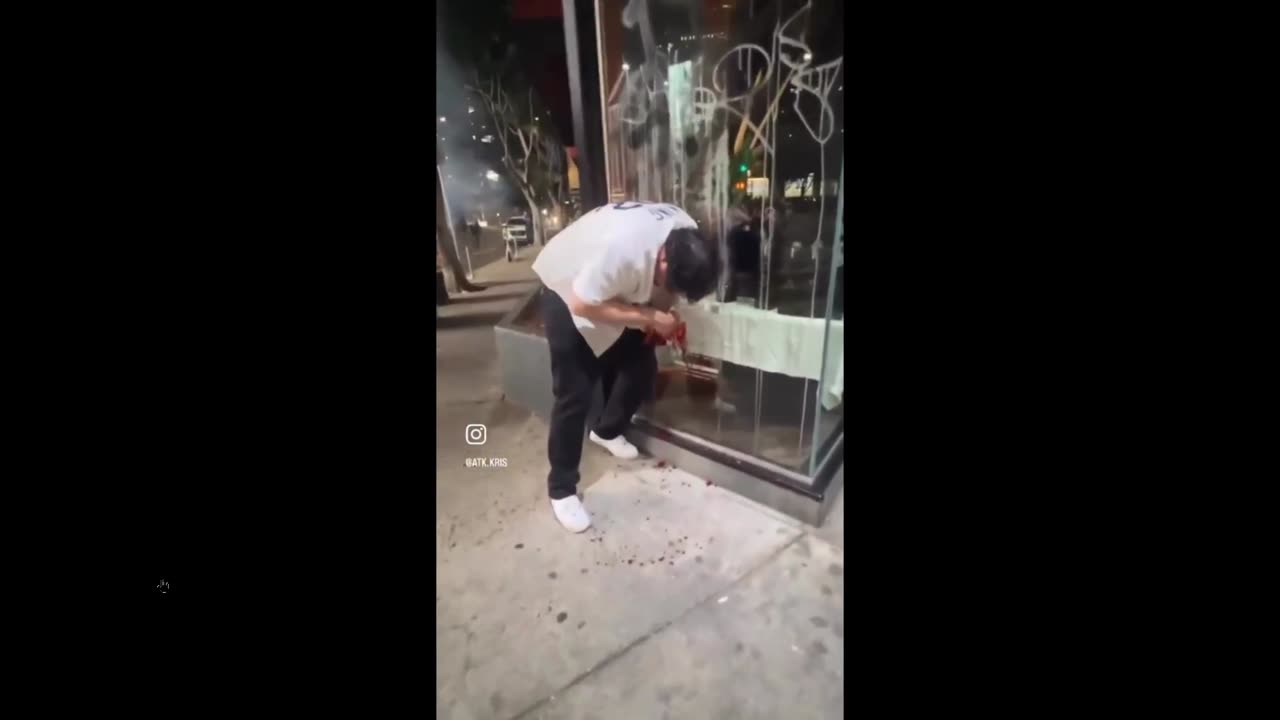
743, 168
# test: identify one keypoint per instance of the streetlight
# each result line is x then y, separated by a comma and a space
625, 67
441, 118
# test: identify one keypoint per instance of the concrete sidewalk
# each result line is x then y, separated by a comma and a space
683, 600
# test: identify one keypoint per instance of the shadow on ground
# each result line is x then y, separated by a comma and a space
497, 283
483, 297
450, 322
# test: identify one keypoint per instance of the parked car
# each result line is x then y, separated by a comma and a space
516, 234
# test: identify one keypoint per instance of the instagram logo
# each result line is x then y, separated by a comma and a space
477, 434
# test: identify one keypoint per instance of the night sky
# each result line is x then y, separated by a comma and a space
540, 40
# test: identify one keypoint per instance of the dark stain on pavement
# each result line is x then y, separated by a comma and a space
665, 693
560, 618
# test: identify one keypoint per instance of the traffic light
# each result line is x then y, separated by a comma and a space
743, 162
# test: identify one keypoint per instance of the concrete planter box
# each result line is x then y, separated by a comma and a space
525, 360
526, 380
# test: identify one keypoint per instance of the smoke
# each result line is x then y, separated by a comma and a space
468, 164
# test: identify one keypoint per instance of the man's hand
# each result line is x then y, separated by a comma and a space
665, 323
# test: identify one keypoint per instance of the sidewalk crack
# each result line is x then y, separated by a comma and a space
645, 637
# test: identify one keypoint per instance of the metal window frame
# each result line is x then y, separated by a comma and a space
582, 47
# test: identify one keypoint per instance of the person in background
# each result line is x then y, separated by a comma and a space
744, 252
461, 230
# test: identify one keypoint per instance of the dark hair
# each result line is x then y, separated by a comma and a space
693, 264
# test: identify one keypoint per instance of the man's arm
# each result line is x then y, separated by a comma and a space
596, 290
612, 312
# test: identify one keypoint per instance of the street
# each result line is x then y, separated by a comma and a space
489, 247
682, 600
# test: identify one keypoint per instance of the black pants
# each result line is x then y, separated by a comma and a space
626, 371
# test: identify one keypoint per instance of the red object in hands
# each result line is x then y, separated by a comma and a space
680, 340
652, 337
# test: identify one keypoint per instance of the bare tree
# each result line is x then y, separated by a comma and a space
479, 36
519, 137
553, 171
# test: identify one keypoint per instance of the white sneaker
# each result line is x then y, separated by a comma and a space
571, 514
618, 446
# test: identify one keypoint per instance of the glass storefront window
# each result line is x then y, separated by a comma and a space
734, 112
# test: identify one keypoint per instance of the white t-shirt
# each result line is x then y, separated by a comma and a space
609, 254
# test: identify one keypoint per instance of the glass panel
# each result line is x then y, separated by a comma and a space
734, 112
828, 400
